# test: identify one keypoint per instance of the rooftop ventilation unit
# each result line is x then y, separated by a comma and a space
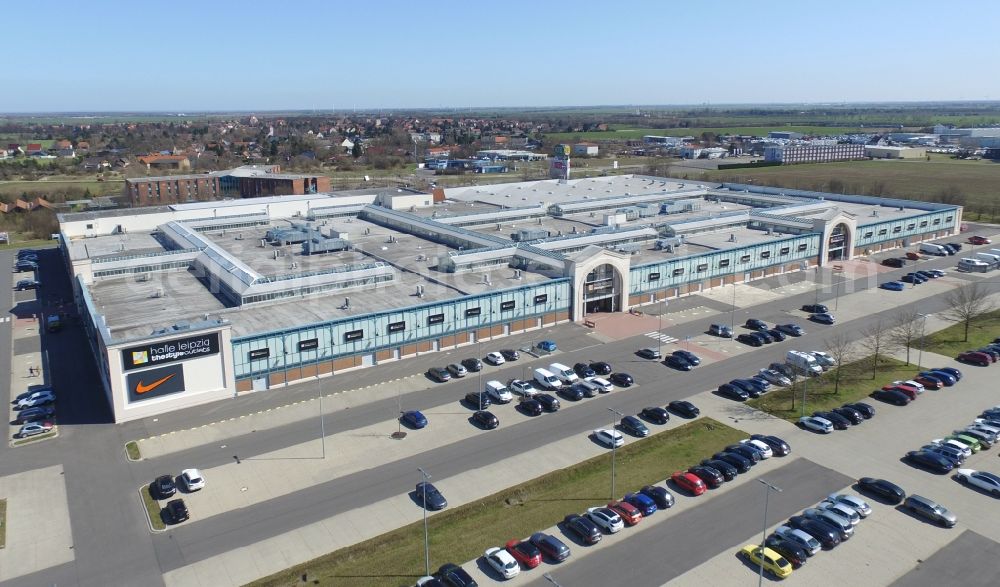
420, 291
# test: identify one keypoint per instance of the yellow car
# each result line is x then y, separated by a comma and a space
774, 563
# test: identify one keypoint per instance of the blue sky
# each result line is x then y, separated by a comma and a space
222, 55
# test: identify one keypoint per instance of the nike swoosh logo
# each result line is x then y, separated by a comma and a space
140, 387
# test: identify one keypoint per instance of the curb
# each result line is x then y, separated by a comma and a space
145, 513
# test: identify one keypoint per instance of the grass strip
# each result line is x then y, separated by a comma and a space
463, 533
950, 341
34, 438
152, 509
132, 450
856, 384
3, 523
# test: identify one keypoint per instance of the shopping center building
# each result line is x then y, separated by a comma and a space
190, 303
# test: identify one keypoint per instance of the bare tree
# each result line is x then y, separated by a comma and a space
876, 340
905, 329
966, 304
842, 348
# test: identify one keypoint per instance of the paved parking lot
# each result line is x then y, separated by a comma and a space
38, 528
970, 560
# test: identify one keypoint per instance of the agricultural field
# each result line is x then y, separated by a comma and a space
626, 134
13, 189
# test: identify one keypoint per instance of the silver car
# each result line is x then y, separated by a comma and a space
457, 370
853, 501
775, 378
931, 510
832, 518
800, 538
841, 510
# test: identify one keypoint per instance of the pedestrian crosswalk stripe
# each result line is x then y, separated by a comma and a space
661, 337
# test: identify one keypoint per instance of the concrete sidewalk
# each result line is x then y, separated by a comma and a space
38, 528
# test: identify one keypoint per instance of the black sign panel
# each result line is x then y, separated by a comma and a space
654, 276
435, 319
354, 335
473, 312
308, 344
541, 298
506, 306
169, 351
397, 326
151, 383
258, 354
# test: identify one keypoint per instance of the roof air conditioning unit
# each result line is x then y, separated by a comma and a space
158, 293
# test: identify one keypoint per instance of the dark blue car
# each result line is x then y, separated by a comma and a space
643, 503
893, 285
414, 419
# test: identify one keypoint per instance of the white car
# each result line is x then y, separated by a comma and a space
981, 479
192, 479
966, 451
37, 398
800, 538
817, 424
522, 388
911, 383
606, 519
495, 358
859, 505
824, 359
502, 562
604, 384
609, 438
764, 449
841, 510
775, 378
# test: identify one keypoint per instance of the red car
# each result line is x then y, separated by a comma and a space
525, 553
975, 358
688, 481
907, 390
927, 382
629, 513
979, 240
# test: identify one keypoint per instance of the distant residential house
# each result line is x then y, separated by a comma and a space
20, 205
95, 164
83, 146
68, 152
439, 151
34, 149
63, 144
177, 162
347, 145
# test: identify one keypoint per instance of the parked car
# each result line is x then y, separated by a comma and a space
689, 482
907, 390
778, 446
478, 400
720, 330
975, 358
495, 358
928, 382
41, 397
728, 472
550, 546
25, 265
643, 503
572, 392
28, 415
886, 490
739, 461
648, 353
163, 487
988, 482
824, 318
824, 359
457, 370
192, 480
755, 324
26, 284
547, 346
609, 438
895, 262
851, 414
655, 415
867, 411
604, 385
711, 477
777, 335
745, 451
771, 561
601, 368
606, 519
485, 419
979, 240
859, 505
472, 364
549, 402
815, 309
791, 329
660, 496
414, 419
584, 370
893, 285
775, 377
800, 538
762, 448
816, 424
439, 374
510, 354
896, 398
842, 510
622, 379
732, 392
177, 511
530, 407
429, 496
783, 368
628, 512
634, 426
684, 408
679, 363
525, 553
585, 530
689, 356
522, 388
842, 524
839, 422
502, 562
825, 534
930, 509
455, 576
949, 452
749, 339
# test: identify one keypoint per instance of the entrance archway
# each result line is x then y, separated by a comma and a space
838, 244
602, 290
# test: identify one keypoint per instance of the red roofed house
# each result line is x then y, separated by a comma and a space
34, 149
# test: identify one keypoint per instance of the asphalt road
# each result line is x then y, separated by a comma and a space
971, 560
672, 548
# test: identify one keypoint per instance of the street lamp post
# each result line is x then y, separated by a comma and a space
614, 450
322, 422
767, 494
732, 312
805, 385
427, 548
659, 339
923, 325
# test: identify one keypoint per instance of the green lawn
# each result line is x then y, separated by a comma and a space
132, 450
463, 533
856, 384
950, 341
152, 509
97, 188
3, 523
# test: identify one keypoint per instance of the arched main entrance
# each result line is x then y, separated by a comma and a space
602, 290
838, 245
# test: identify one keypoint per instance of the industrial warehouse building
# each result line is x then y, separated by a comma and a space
190, 303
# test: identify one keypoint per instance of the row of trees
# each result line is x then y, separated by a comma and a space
905, 330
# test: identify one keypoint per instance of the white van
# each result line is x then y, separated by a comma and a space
933, 249
564, 373
546, 379
498, 392
973, 265
990, 259
803, 363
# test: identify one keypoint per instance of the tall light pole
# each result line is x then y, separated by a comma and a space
659, 339
427, 547
322, 422
768, 488
732, 312
923, 325
805, 385
614, 450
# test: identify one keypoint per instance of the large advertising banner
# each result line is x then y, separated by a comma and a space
169, 351
143, 385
